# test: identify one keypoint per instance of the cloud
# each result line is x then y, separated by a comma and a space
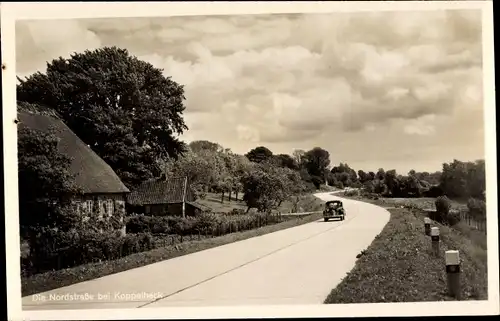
288, 80
421, 126
47, 40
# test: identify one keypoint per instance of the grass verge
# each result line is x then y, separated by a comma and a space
399, 267
56, 279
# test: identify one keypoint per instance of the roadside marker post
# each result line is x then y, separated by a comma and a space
435, 240
453, 273
427, 225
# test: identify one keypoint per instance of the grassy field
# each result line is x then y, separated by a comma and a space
423, 203
212, 200
55, 279
399, 267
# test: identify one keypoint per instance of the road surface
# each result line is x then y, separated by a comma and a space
299, 265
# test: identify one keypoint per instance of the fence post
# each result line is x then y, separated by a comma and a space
427, 225
453, 273
435, 240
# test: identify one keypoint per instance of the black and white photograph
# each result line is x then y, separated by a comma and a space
194, 156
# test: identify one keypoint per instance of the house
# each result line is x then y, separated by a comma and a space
163, 196
104, 194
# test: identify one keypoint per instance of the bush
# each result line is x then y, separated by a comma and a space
55, 250
443, 205
150, 224
443, 214
237, 211
357, 184
477, 208
351, 193
434, 191
452, 218
137, 224
206, 223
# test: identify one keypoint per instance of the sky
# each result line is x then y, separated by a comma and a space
397, 90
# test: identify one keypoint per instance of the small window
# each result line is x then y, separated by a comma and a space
88, 206
109, 207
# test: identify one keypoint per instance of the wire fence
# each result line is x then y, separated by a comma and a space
478, 224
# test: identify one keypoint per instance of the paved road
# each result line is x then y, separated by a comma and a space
299, 265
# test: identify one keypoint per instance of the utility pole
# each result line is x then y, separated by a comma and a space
184, 198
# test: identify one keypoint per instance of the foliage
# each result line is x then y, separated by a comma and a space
287, 161
259, 154
443, 214
57, 250
316, 161
265, 187
200, 146
45, 184
125, 109
205, 224
477, 208
464, 179
443, 205
343, 173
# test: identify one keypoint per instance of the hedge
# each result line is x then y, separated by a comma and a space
58, 250
206, 224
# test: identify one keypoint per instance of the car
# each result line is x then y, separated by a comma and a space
334, 209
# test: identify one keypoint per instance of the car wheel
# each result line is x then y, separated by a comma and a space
326, 220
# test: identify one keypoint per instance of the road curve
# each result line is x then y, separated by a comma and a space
299, 265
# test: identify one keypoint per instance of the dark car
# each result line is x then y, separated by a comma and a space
334, 209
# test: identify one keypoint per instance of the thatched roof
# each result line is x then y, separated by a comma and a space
91, 172
161, 191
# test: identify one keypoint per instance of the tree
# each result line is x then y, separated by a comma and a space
46, 185
243, 166
380, 174
198, 146
266, 187
259, 154
464, 179
363, 177
476, 179
122, 107
198, 170
392, 182
298, 156
345, 174
284, 160
316, 162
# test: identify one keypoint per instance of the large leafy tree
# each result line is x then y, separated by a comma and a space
266, 186
45, 186
125, 109
287, 161
316, 161
259, 154
200, 146
464, 179
343, 173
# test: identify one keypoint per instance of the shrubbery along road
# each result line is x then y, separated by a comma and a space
299, 265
